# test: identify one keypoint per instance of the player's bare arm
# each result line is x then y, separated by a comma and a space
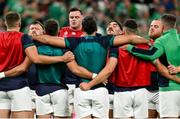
102, 76
164, 71
51, 40
33, 55
129, 39
79, 70
23, 67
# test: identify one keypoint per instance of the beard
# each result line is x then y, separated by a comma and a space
154, 37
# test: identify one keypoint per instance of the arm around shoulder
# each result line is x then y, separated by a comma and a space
51, 40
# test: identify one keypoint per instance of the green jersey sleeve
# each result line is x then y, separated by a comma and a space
151, 54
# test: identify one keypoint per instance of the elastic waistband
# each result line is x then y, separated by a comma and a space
122, 89
95, 87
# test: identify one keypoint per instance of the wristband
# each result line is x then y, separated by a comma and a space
2, 75
94, 75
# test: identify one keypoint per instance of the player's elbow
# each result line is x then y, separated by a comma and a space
109, 72
22, 69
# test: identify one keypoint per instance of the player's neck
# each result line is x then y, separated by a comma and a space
167, 28
76, 29
93, 34
13, 29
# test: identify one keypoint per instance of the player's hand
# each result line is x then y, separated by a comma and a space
172, 69
84, 86
149, 43
105, 82
68, 56
124, 47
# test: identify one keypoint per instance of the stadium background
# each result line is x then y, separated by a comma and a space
104, 10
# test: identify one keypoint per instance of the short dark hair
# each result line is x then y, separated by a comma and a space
89, 25
118, 23
38, 22
131, 25
75, 9
169, 20
12, 18
51, 27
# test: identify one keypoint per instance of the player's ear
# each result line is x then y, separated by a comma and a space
19, 24
121, 32
162, 27
5, 23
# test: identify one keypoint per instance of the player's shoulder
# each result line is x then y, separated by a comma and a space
13, 33
2, 33
65, 28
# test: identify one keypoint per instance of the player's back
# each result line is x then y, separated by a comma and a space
132, 72
11, 50
11, 55
172, 48
90, 51
51, 73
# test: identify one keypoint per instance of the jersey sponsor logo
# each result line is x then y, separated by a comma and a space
73, 33
65, 34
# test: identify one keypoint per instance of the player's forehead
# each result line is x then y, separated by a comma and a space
113, 23
156, 22
35, 26
75, 13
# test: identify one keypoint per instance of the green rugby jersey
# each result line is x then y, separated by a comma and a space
168, 44
90, 51
51, 73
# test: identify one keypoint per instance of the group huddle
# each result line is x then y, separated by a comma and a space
76, 72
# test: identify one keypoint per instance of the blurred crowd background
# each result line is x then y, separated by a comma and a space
144, 11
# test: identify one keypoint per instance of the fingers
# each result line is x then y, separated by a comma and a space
172, 69
105, 82
84, 86
68, 56
149, 43
170, 66
81, 84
